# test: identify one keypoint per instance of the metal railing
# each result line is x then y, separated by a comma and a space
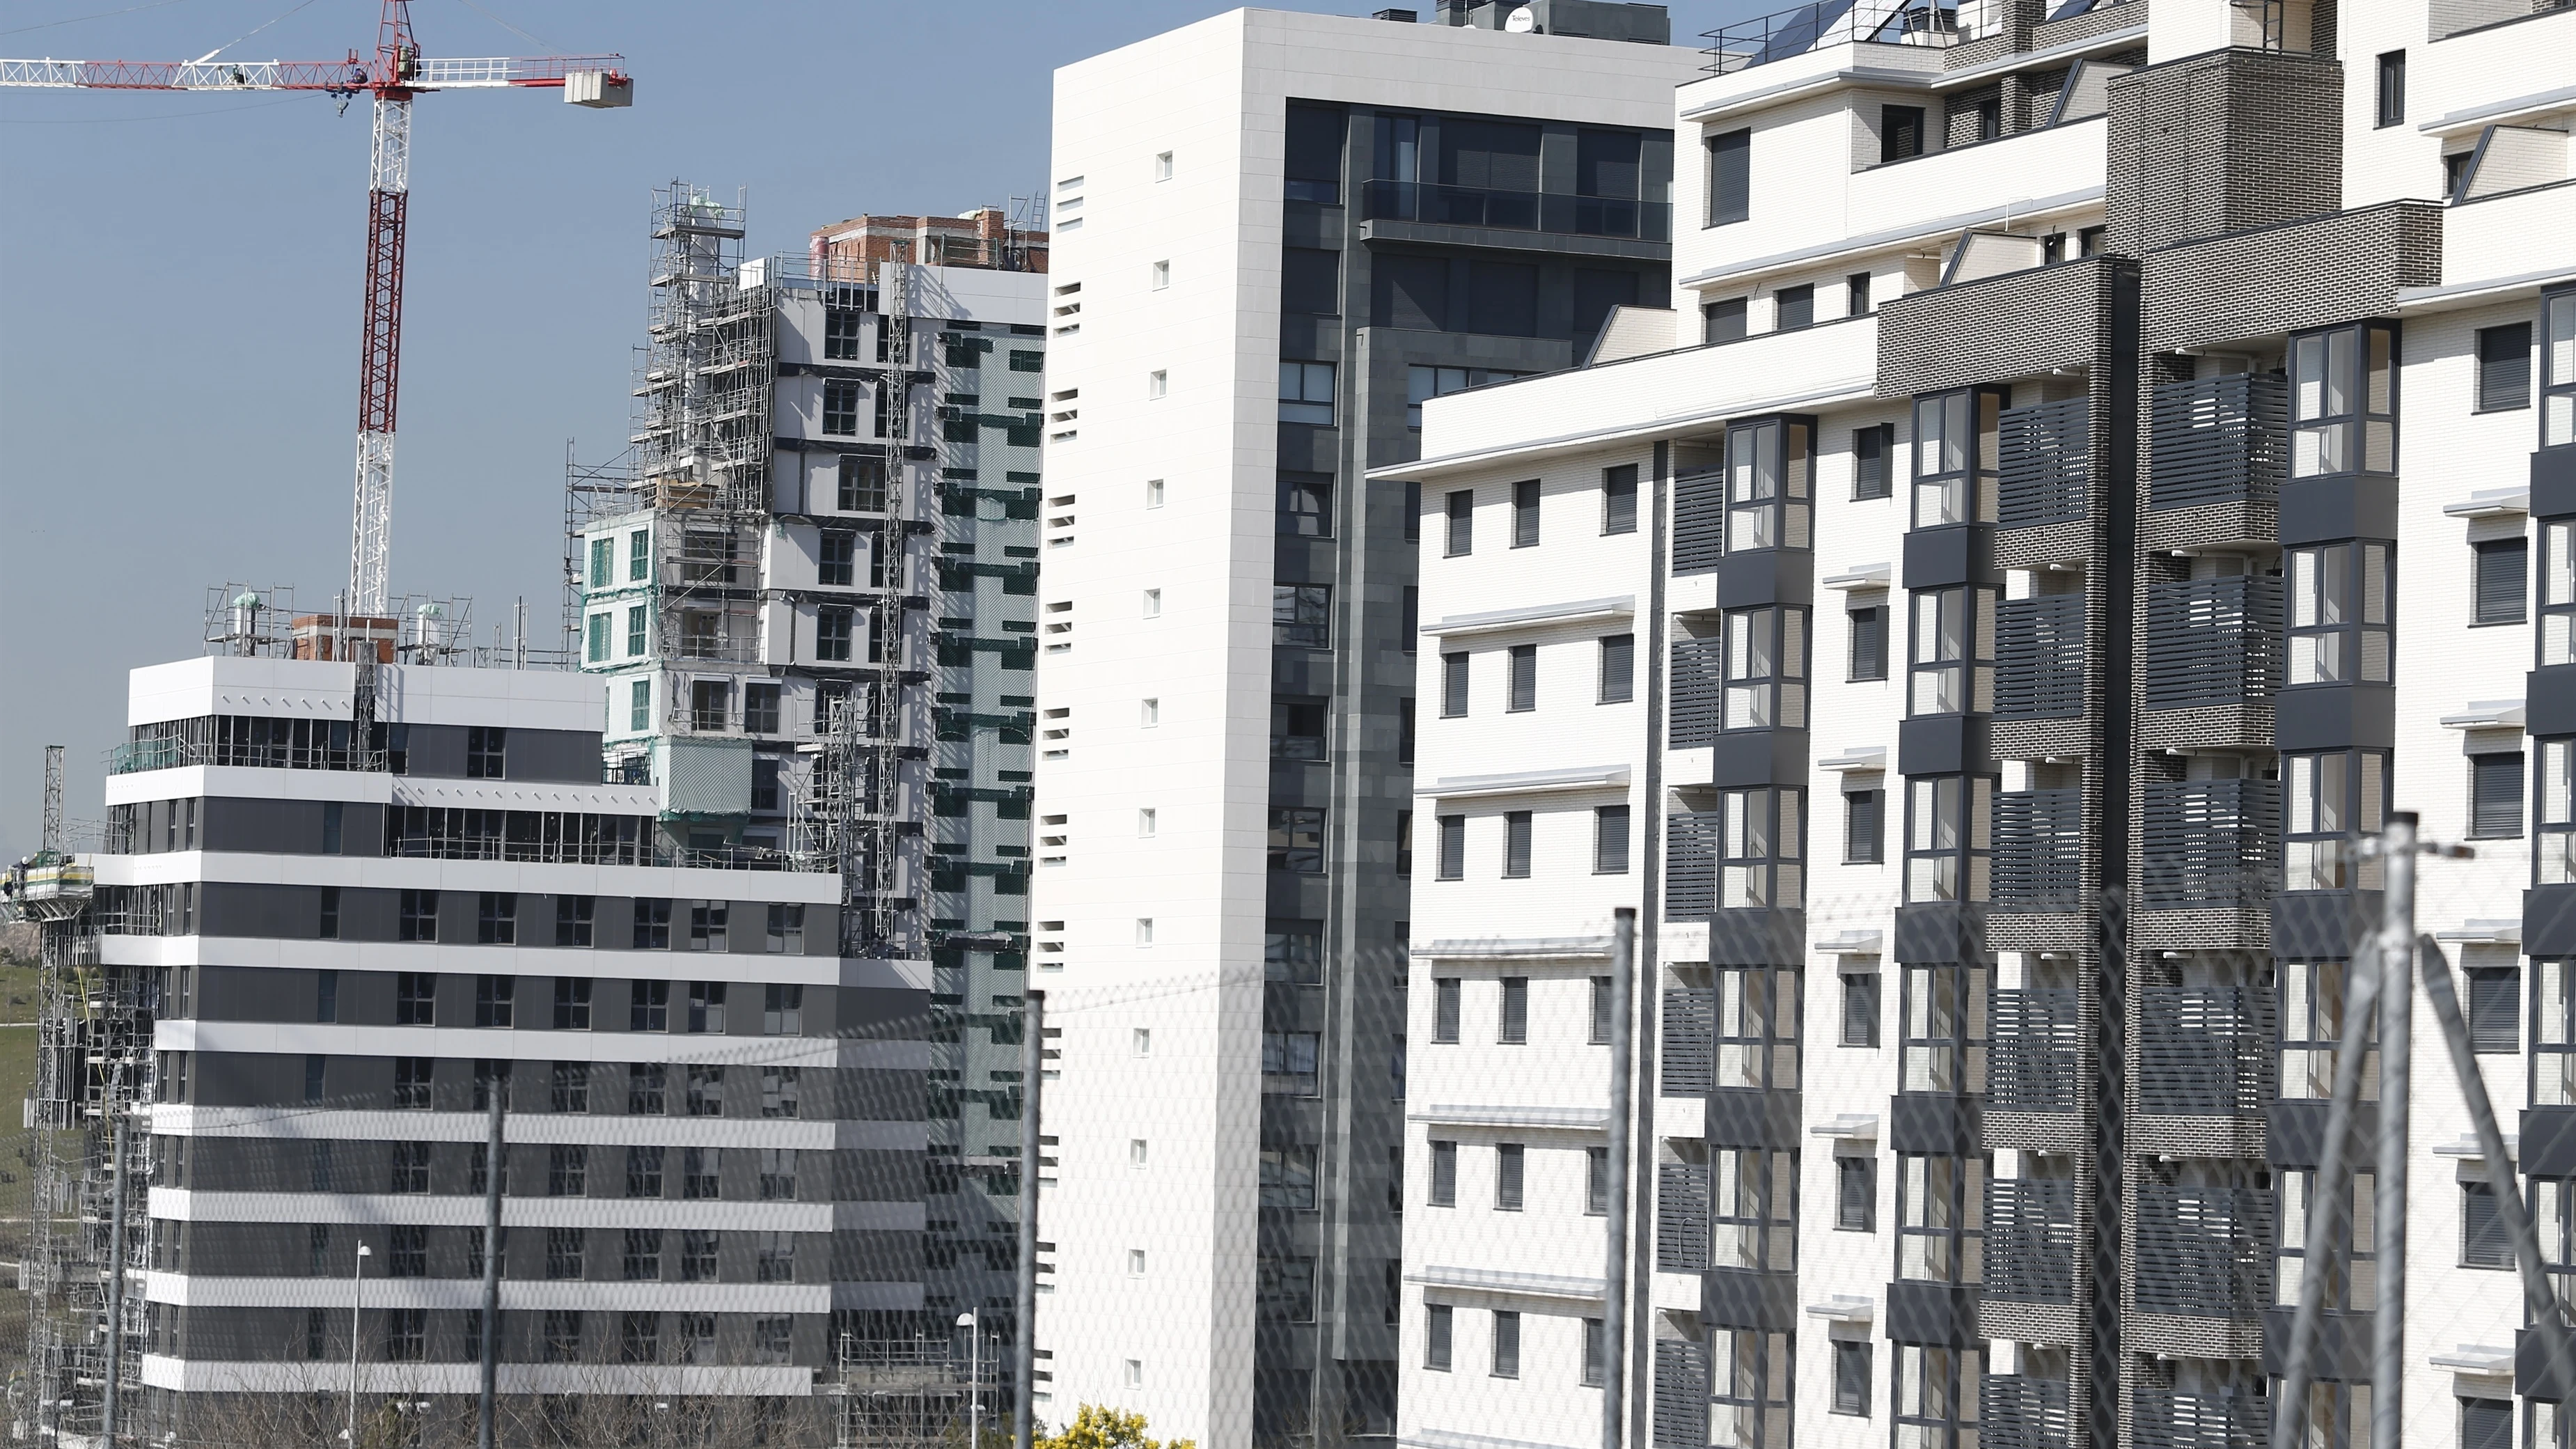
2046, 460
2206, 1051
2037, 866
2209, 843
1805, 28
1699, 687
2213, 642
2167, 1420
1690, 1042
2204, 1252
2023, 1411
2035, 1058
1543, 211
1681, 1217
2219, 440
2039, 658
2031, 1241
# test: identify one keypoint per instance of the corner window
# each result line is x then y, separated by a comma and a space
1936, 1393
1305, 393
1939, 1205
1758, 848
1767, 468
2339, 614
2343, 390
2326, 800
1942, 1023
1730, 177
2504, 367
1756, 1028
1955, 436
1947, 844
2558, 369
1952, 667
1765, 669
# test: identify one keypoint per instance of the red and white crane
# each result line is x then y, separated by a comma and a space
393, 76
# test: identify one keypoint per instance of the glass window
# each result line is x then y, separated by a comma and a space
1796, 308
1952, 670
2313, 997
2504, 367
1619, 499
1523, 695
2351, 1258
1453, 847
1856, 1194
1723, 321
2343, 390
1297, 840
1288, 1177
2339, 613
1516, 844
1955, 437
1730, 177
1453, 685
1868, 642
1864, 827
2495, 796
1756, 1029
1873, 461
1765, 666
1610, 840
1860, 1008
1947, 840
2558, 369
1943, 1027
2391, 108
2557, 592
2503, 580
1425, 383
1437, 1335
1851, 1377
1618, 668
1525, 514
1306, 392
1940, 1218
1748, 1386
1759, 851
1767, 465
1936, 1396
1749, 1198
1459, 515
1301, 616
1305, 507
2327, 800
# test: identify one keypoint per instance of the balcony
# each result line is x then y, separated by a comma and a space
2035, 1059
1681, 1217
2021, 1411
2046, 458
1690, 1038
2031, 1242
2219, 440
1699, 692
2039, 658
2205, 1051
2209, 844
2213, 643
2204, 1252
2037, 860
2167, 1420
1541, 211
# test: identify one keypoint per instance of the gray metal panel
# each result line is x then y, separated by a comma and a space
264, 827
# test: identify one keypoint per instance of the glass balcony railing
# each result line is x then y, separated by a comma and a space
1806, 28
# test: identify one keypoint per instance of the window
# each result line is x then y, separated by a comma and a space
1306, 392
574, 919
1301, 616
1161, 276
1516, 844
1297, 727
840, 408
417, 917
1510, 1162
1610, 840
1943, 1028
1290, 1062
1404, 818
648, 1095
706, 1012
1297, 840
860, 485
1310, 281
832, 627
2343, 401
1523, 679
637, 629
703, 1095
2351, 1260
1507, 1344
1596, 1181
2494, 1008
567, 1166
652, 925
2339, 613
1955, 435
572, 1003
326, 996
2391, 110
2504, 367
1723, 321
1618, 669
1900, 133
1940, 1202
2558, 369
639, 555
496, 918
1292, 952
1288, 1177
495, 999
408, 1168
487, 752
837, 562
1952, 670
1525, 514
1851, 1376
1149, 713
327, 926
415, 998
2495, 796
1453, 847
2503, 577
777, 1171
1873, 461
1446, 994
1163, 166
1404, 731
597, 650
786, 930
1749, 1192
1935, 1392
1947, 843
1437, 1330
1444, 1174
1512, 1022
1765, 652
707, 925
602, 559
1856, 295
1730, 177
1453, 685
1860, 1009
782, 1009
1619, 499
1856, 1194
412, 1083
1868, 642
1794, 308
2326, 798
1305, 506
1766, 485
1461, 515
708, 700
2488, 1424
2483, 1241
1153, 603
1596, 1352
1425, 383
1758, 850
1864, 826
639, 705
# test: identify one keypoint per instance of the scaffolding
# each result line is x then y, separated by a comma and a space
909, 1394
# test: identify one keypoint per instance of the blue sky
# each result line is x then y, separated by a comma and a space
180, 275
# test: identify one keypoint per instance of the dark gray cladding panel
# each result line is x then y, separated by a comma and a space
235, 909
1745, 1298
2549, 921
2553, 483
2327, 510
569, 757
1746, 1117
2220, 142
265, 827
1759, 757
1994, 329
1935, 1122
1943, 744
1767, 576
2295, 1132
2343, 1344
1961, 553
2335, 717
2549, 701
1942, 933
1756, 936
2321, 925
2287, 278
1931, 1313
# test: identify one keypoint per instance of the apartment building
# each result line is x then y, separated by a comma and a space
1967, 627
1274, 237
811, 604
345, 903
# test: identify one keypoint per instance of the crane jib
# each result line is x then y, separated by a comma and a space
342, 76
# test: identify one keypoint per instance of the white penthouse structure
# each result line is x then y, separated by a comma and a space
1274, 236
1967, 628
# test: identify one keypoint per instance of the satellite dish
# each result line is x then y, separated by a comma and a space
1520, 21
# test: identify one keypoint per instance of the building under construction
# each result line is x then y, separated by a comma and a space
809, 594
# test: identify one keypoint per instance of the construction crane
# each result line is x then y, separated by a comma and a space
393, 76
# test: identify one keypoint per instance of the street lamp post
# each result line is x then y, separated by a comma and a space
357, 1296
974, 1379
